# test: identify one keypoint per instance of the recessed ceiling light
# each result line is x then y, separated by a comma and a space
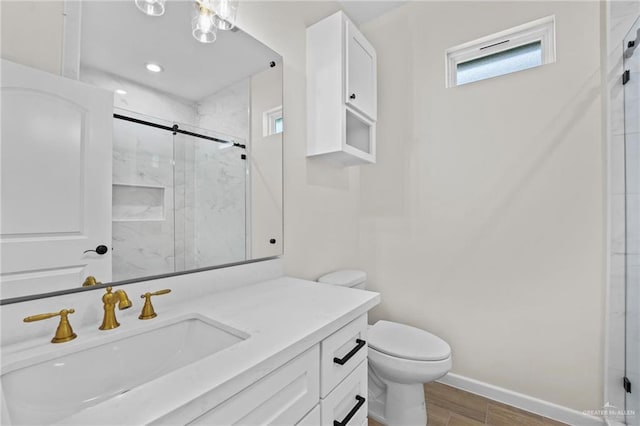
154, 67
121, 92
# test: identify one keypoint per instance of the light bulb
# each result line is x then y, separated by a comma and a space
223, 10
204, 22
202, 25
153, 67
151, 7
225, 14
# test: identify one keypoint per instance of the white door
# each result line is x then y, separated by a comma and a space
56, 181
361, 72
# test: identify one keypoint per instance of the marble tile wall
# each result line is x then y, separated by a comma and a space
143, 158
220, 178
620, 18
227, 111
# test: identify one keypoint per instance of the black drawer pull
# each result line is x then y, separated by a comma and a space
352, 413
359, 344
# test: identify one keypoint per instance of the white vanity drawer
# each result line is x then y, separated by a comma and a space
282, 397
311, 419
341, 353
347, 404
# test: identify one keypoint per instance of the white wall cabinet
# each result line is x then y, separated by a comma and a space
360, 88
341, 92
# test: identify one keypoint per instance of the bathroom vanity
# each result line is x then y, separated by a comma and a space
281, 351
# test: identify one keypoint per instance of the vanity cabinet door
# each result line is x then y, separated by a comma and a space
56, 181
312, 418
281, 398
360, 70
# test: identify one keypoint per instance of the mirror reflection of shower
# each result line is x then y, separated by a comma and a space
179, 197
180, 201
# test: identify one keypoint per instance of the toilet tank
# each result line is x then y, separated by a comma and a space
346, 278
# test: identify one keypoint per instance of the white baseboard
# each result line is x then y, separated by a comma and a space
524, 402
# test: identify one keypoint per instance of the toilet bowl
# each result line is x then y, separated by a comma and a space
401, 359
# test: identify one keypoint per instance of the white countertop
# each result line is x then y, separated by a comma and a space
283, 317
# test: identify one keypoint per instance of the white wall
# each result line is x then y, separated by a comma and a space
32, 33
483, 220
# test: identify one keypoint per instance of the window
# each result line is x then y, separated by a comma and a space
272, 122
277, 125
520, 48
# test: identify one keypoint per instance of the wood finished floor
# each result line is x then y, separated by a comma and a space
447, 406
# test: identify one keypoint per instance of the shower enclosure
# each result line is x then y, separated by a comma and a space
631, 81
179, 197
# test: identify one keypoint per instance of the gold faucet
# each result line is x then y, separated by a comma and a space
109, 300
90, 281
64, 332
147, 310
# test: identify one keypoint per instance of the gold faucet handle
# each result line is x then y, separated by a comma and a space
64, 332
147, 310
90, 281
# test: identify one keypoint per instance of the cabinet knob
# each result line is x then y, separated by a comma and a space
272, 241
353, 96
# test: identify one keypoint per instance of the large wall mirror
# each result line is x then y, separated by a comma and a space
195, 177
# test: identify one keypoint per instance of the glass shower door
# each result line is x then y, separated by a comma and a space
211, 200
632, 157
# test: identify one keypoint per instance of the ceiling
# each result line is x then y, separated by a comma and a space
119, 39
361, 11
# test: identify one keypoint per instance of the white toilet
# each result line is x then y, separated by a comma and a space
401, 359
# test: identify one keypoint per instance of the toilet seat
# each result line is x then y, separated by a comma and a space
406, 342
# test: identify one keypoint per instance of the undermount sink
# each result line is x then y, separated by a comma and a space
50, 390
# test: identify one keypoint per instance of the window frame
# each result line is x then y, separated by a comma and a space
269, 119
542, 30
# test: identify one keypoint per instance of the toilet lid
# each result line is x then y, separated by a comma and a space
404, 341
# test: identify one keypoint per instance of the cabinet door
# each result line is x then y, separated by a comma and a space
56, 181
312, 418
281, 398
360, 67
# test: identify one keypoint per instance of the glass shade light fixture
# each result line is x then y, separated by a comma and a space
151, 7
209, 16
202, 26
225, 13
